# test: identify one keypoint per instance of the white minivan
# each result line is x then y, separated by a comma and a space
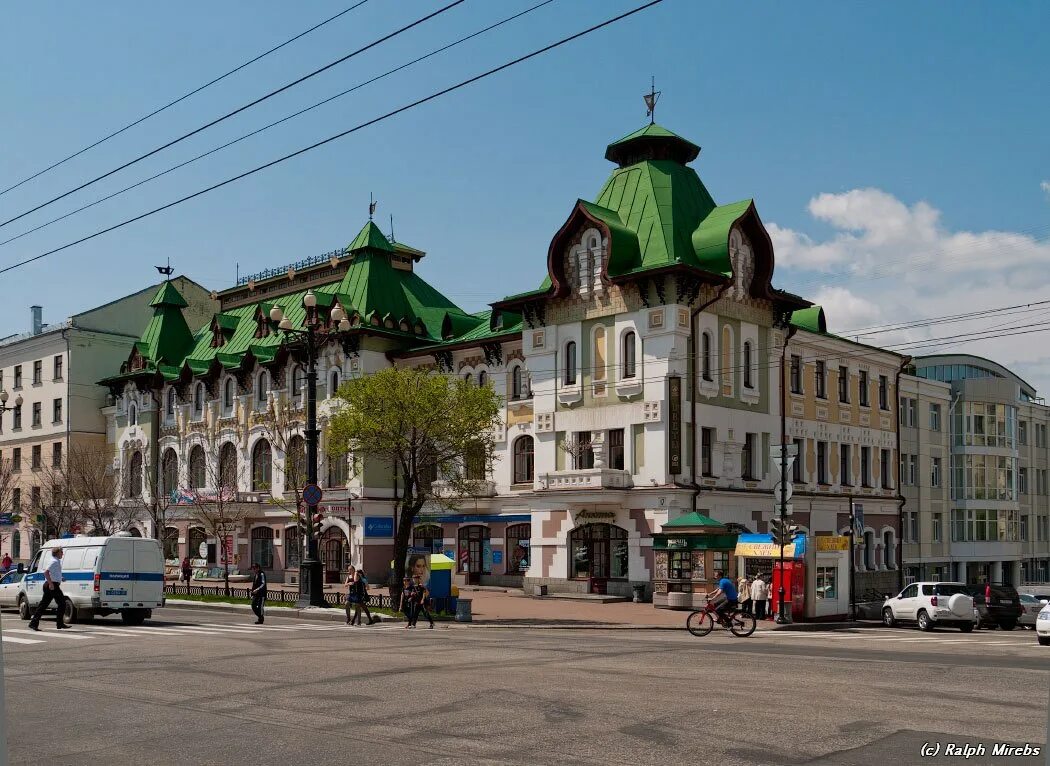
100, 576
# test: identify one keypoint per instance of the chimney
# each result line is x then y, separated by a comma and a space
38, 319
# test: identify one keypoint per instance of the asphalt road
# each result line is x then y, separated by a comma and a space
198, 687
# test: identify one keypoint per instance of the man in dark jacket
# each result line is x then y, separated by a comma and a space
258, 593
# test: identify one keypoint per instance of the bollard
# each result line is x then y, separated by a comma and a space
463, 610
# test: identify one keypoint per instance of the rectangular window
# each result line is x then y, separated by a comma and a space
958, 526
822, 462
1024, 528
37, 457
884, 393
796, 374
864, 388
935, 417
937, 517
844, 385
865, 466
38, 372
913, 420
616, 461
935, 472
827, 583
884, 469
798, 468
680, 565
16, 459
1022, 481
1022, 432
707, 438
58, 367
56, 455
36, 414
16, 499
16, 418
747, 457
913, 526
720, 561
844, 465
34, 496
18, 376
56, 411
821, 381
913, 470
584, 450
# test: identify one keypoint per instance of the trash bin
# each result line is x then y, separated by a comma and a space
463, 610
639, 593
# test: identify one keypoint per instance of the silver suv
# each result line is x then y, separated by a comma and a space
930, 604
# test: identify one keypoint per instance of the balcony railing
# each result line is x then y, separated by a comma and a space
476, 488
588, 478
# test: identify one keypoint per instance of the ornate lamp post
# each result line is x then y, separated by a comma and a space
3, 402
313, 337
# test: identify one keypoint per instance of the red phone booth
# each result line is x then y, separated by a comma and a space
794, 578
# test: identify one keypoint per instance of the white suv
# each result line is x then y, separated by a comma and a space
929, 604
1042, 626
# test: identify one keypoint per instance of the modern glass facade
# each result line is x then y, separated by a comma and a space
949, 372
984, 477
980, 424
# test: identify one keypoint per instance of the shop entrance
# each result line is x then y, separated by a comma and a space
475, 557
599, 554
334, 551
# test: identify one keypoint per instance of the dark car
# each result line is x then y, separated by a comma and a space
997, 604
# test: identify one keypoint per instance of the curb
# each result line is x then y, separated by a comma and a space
313, 613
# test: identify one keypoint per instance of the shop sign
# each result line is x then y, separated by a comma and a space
677, 542
674, 425
497, 557
596, 515
379, 526
832, 543
762, 547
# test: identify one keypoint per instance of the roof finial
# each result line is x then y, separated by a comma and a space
371, 206
166, 270
392, 239
650, 102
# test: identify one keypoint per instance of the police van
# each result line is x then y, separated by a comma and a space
100, 576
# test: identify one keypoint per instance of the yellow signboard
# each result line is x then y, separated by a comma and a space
764, 550
832, 543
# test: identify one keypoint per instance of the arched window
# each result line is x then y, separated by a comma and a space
629, 354
483, 378
228, 466
197, 472
263, 387
468, 378
228, 392
475, 462
335, 379
262, 463
338, 469
518, 538
171, 544
523, 459
197, 537
599, 353
293, 548
598, 551
262, 547
748, 382
171, 402
133, 415
134, 487
570, 363
428, 537
198, 400
869, 550
169, 472
16, 544
705, 356
726, 366
473, 542
297, 384
295, 463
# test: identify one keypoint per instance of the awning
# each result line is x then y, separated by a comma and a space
693, 542
763, 547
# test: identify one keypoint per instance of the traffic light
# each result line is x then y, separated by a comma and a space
783, 532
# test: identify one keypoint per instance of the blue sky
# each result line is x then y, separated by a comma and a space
932, 116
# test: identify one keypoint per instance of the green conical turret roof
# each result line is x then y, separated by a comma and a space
370, 238
168, 295
167, 337
651, 142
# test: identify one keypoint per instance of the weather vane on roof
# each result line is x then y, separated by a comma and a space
371, 206
166, 270
392, 228
650, 102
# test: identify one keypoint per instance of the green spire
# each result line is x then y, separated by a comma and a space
370, 238
167, 337
168, 295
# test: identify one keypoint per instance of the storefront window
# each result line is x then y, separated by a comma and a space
681, 565
598, 551
518, 548
428, 537
197, 537
293, 548
474, 539
262, 547
827, 583
171, 543
720, 561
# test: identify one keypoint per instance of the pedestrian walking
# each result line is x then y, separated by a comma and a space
351, 593
258, 593
743, 587
759, 594
422, 596
407, 605
5, 565
52, 592
187, 570
362, 596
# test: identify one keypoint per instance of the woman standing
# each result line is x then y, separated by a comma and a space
361, 592
351, 594
759, 594
743, 589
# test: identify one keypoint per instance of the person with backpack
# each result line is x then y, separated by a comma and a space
351, 594
421, 596
361, 598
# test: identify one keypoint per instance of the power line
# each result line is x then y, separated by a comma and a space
360, 126
891, 327
196, 90
240, 109
278, 122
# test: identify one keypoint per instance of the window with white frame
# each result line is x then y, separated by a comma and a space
229, 392
297, 384
170, 409
262, 387
865, 466
198, 400
864, 388
748, 374
630, 351
570, 363
935, 472
820, 378
705, 356
935, 417
335, 379
937, 528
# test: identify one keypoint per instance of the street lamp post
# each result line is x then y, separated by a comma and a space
3, 402
311, 587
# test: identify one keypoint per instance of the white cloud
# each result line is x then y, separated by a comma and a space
1045, 186
889, 262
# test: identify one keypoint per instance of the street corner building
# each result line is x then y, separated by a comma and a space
642, 384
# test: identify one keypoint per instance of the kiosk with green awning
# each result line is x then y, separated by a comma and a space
686, 553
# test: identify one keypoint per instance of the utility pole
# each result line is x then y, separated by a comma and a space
852, 556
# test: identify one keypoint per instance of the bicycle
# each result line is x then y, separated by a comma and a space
702, 621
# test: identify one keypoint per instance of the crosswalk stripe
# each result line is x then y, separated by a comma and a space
13, 640
111, 632
54, 634
193, 632
252, 628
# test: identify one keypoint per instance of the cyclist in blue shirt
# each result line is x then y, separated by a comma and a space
726, 588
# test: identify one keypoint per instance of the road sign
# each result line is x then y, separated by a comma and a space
790, 490
312, 494
774, 451
6, 519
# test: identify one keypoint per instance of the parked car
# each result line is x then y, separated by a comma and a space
9, 588
931, 604
1042, 626
1031, 606
998, 604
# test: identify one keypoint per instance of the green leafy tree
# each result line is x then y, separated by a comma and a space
425, 427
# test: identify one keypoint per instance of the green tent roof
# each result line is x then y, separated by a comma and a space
168, 295
370, 238
693, 519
